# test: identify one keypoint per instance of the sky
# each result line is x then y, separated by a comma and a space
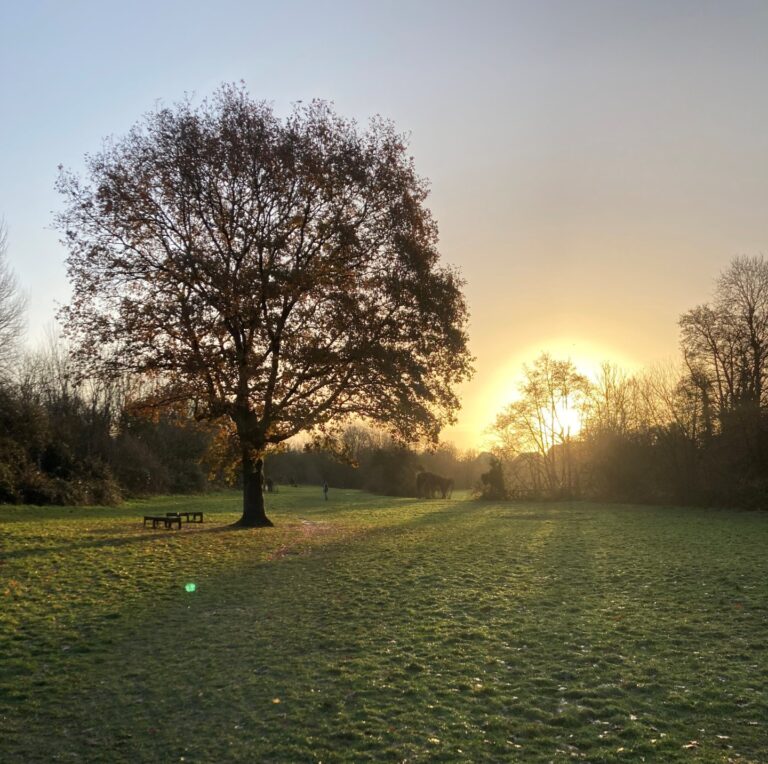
593, 165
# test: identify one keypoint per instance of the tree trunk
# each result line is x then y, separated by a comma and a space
254, 515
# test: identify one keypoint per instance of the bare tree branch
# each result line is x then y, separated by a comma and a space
12, 308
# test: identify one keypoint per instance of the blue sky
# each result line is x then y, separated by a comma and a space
593, 164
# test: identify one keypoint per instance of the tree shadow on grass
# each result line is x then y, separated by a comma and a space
440, 512
138, 538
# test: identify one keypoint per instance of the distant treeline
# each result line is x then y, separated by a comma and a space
692, 433
371, 461
67, 443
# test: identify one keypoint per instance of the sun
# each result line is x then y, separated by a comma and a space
565, 420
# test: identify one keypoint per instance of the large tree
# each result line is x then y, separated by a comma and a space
279, 273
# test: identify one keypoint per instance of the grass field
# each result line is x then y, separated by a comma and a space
373, 629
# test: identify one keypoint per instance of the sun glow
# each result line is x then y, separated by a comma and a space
563, 421
498, 386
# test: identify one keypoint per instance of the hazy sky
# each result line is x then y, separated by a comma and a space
594, 165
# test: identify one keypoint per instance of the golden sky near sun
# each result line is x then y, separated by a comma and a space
496, 385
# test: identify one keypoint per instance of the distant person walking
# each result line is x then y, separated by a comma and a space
325, 490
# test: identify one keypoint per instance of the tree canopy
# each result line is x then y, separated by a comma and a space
282, 274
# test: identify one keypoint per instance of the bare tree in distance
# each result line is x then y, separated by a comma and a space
282, 274
667, 401
12, 307
725, 342
553, 395
725, 345
611, 401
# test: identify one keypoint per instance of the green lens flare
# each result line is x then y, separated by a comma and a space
190, 587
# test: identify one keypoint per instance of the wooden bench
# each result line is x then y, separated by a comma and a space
190, 517
167, 520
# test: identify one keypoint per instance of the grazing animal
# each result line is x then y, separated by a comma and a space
446, 487
428, 485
